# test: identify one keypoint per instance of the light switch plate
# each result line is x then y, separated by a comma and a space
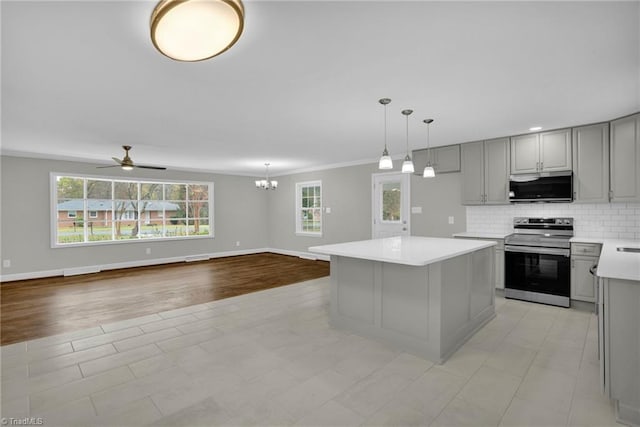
327, 210
451, 220
416, 209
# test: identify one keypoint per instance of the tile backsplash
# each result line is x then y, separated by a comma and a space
602, 220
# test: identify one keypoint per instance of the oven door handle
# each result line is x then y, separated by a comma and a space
537, 250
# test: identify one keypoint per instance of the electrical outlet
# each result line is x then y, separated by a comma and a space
148, 251
6, 263
451, 220
238, 243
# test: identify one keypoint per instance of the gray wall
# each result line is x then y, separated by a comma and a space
258, 219
347, 191
26, 236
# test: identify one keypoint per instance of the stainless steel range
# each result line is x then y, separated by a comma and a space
537, 260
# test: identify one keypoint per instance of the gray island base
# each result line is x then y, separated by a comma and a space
424, 295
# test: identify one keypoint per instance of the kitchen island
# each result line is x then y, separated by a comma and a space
425, 295
618, 321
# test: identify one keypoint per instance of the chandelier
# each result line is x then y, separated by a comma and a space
266, 184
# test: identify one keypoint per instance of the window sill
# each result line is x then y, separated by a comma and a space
118, 242
301, 234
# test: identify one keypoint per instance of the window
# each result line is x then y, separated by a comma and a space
309, 208
128, 210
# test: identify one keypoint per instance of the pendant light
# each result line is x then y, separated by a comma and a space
385, 161
266, 184
195, 30
407, 165
428, 170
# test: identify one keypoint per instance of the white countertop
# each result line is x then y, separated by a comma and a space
481, 235
408, 250
619, 265
597, 240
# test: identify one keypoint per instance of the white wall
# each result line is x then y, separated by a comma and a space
239, 215
602, 220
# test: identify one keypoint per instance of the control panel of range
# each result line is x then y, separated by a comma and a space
543, 221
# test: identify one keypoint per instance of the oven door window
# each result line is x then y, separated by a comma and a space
547, 274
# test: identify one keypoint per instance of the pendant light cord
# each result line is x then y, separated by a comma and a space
385, 127
407, 121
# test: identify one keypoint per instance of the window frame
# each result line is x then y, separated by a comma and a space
299, 208
54, 213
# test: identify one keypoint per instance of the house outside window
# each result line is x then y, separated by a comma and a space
309, 208
125, 210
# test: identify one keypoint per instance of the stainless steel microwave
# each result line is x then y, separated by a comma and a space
541, 187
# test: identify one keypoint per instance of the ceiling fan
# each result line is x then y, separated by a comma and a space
127, 164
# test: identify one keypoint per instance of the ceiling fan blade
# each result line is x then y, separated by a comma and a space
111, 166
150, 167
117, 160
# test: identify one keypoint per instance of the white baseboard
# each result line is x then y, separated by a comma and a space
76, 271
127, 264
300, 254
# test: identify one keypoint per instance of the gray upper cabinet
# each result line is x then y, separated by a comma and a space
496, 171
555, 150
625, 159
525, 153
541, 152
446, 159
473, 173
443, 159
591, 163
485, 172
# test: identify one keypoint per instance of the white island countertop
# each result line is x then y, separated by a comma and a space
614, 264
481, 235
407, 250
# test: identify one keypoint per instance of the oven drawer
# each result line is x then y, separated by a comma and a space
588, 249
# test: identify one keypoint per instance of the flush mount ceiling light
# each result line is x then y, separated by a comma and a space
194, 30
535, 128
266, 184
428, 171
385, 161
407, 165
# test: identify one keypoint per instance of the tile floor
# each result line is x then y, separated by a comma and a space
269, 358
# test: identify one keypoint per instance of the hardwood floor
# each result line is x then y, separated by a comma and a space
43, 307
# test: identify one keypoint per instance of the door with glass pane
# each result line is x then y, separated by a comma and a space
390, 205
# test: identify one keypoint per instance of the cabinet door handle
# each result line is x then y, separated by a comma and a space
541, 165
537, 166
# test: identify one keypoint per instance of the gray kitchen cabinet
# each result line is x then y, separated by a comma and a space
485, 172
525, 153
591, 163
443, 159
582, 282
625, 159
619, 346
583, 257
472, 154
541, 152
499, 258
446, 159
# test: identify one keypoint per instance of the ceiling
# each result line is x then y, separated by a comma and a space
300, 89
